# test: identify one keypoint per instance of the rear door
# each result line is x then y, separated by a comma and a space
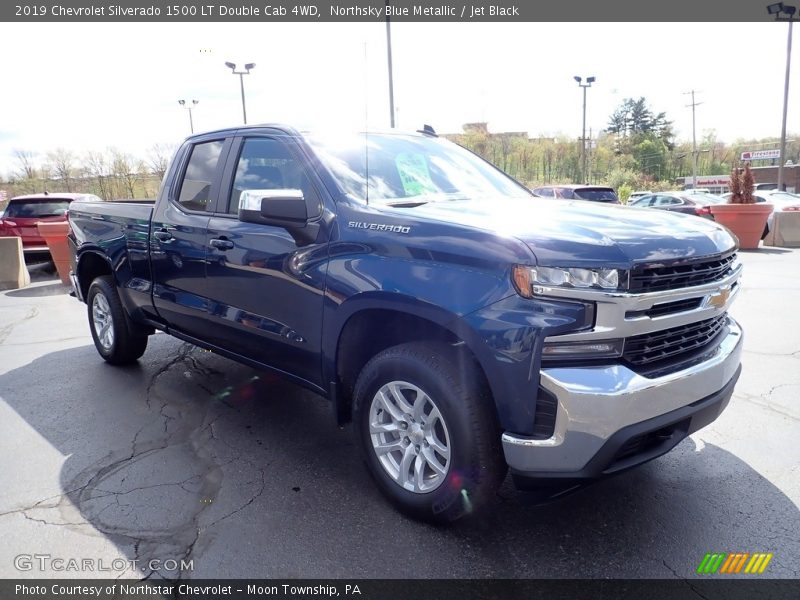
178, 235
267, 287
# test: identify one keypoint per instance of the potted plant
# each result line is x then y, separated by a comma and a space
742, 215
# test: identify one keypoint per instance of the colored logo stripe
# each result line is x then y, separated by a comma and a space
758, 563
711, 563
734, 562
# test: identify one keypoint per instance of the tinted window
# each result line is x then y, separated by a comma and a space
199, 176
36, 208
597, 195
544, 191
667, 201
268, 164
642, 201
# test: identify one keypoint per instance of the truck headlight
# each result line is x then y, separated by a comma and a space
527, 278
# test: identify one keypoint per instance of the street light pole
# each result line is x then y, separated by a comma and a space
241, 74
783, 12
389, 60
589, 82
189, 108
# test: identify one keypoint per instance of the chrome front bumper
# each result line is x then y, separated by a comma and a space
595, 403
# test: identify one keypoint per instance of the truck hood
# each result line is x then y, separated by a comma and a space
581, 233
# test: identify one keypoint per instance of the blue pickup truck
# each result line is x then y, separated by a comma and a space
464, 326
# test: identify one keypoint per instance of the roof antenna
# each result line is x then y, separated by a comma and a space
427, 130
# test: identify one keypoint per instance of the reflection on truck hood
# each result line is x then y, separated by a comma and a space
580, 233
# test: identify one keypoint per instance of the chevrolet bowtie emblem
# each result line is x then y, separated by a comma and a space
720, 298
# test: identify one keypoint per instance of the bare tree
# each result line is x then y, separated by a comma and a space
26, 169
62, 164
127, 171
158, 157
97, 167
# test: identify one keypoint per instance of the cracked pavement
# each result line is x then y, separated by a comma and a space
190, 456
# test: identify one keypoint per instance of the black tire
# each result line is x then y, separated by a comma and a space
476, 466
125, 345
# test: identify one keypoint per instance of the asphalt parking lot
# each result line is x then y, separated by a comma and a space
190, 456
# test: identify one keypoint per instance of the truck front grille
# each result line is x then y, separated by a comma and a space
672, 344
681, 275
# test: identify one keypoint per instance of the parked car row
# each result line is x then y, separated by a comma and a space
696, 202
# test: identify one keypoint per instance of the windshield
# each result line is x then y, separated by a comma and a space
36, 208
596, 194
406, 169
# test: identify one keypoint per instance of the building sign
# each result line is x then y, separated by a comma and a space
710, 181
761, 154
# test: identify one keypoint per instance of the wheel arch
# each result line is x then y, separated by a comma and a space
370, 327
91, 264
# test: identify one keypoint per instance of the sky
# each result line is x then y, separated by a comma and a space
90, 86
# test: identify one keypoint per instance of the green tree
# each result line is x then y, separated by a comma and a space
633, 121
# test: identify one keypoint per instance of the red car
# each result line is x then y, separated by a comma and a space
24, 212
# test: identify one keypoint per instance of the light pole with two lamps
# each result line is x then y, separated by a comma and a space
784, 13
589, 82
189, 107
241, 74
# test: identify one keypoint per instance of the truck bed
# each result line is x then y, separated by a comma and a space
96, 221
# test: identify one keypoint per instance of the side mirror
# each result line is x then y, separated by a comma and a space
282, 208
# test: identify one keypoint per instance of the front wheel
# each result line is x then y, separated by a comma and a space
428, 431
113, 333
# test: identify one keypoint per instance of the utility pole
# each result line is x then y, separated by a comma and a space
694, 140
782, 159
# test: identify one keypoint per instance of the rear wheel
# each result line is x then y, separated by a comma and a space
114, 335
428, 432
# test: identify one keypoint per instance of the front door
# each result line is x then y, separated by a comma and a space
266, 287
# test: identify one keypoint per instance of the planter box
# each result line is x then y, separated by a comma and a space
55, 234
746, 221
